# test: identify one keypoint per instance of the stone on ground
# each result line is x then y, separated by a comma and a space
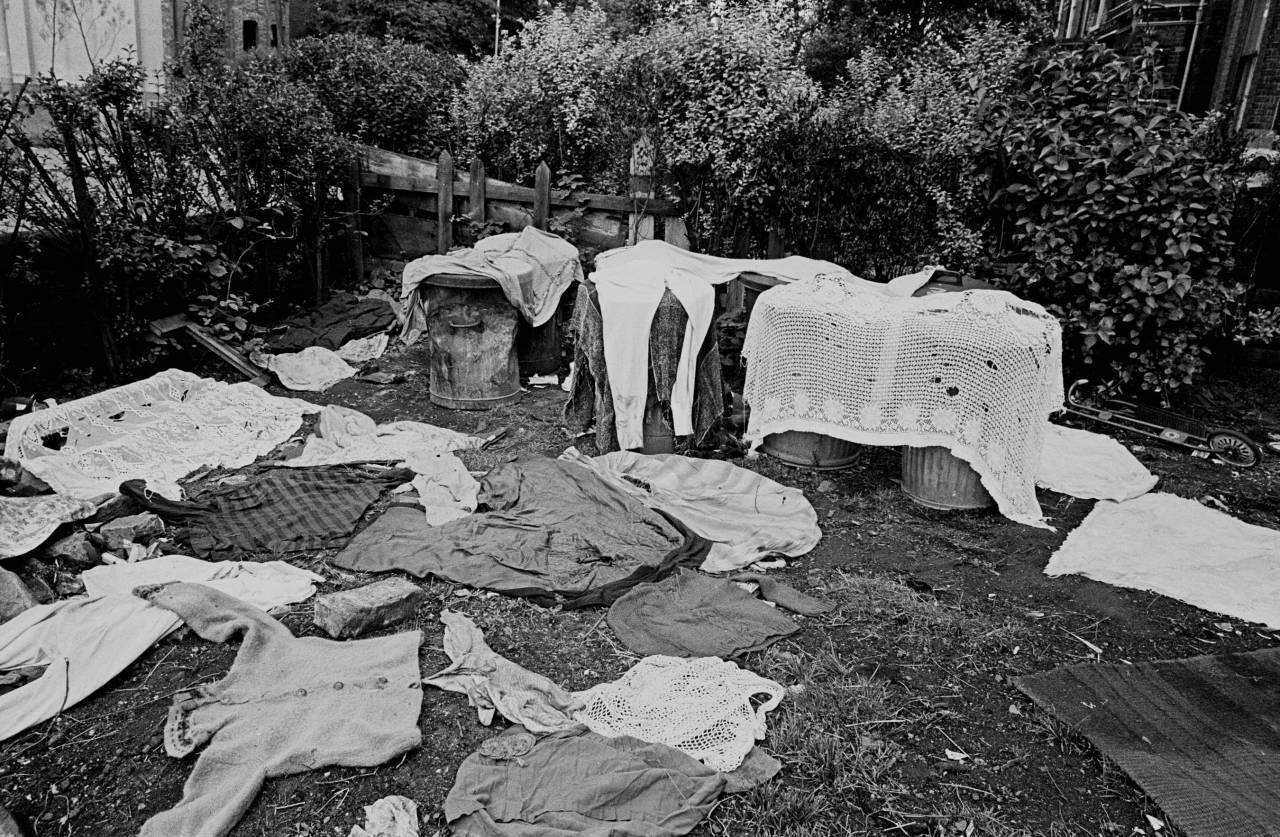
75, 549
138, 528
14, 596
351, 613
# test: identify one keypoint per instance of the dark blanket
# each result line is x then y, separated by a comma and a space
591, 401
693, 615
551, 529
1201, 736
344, 317
276, 510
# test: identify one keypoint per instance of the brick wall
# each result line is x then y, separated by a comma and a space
1264, 99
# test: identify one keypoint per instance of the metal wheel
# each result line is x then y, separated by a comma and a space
1234, 449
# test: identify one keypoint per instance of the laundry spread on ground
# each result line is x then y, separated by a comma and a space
580, 782
1090, 466
746, 516
1178, 548
533, 267
706, 707
25, 522
591, 400
364, 349
314, 369
977, 372
549, 528
692, 615
159, 429
446, 490
85, 642
274, 510
495, 684
390, 816
288, 705
344, 318
343, 435
1197, 735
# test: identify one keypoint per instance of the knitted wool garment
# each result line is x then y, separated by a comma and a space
288, 705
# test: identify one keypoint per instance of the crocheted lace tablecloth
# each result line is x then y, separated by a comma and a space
158, 429
976, 372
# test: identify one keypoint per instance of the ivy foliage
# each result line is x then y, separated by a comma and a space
1122, 218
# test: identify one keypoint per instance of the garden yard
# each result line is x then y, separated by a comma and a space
605, 158
900, 715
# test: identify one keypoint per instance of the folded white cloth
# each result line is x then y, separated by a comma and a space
1090, 466
314, 369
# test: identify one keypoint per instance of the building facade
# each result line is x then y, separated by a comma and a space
67, 38
1218, 54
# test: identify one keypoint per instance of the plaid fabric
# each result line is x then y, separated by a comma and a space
276, 511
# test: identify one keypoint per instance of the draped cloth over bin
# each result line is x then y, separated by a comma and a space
976, 372
591, 397
533, 267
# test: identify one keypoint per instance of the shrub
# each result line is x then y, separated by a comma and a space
380, 92
1122, 218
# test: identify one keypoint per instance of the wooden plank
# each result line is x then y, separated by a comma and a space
355, 234
228, 354
444, 203
496, 190
477, 199
675, 233
165, 325
541, 195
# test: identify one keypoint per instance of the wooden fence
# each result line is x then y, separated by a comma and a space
409, 207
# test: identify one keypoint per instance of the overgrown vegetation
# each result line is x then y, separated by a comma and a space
881, 134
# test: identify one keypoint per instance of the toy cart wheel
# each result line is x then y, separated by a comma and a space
1234, 449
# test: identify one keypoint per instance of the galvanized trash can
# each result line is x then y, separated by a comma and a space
472, 328
814, 451
936, 478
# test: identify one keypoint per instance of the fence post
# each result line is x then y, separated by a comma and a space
477, 201
776, 246
355, 236
444, 202
541, 195
640, 225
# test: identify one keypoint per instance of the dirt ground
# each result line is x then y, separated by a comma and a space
936, 612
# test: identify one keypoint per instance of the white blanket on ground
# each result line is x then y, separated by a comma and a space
158, 429
1091, 466
364, 349
1181, 549
746, 516
85, 642
533, 267
314, 369
25, 522
344, 435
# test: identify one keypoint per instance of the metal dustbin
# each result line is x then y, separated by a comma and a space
472, 328
938, 479
934, 477
814, 451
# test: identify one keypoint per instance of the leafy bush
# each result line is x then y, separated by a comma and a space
380, 92
1122, 218
880, 179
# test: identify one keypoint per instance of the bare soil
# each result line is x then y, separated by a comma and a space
936, 612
